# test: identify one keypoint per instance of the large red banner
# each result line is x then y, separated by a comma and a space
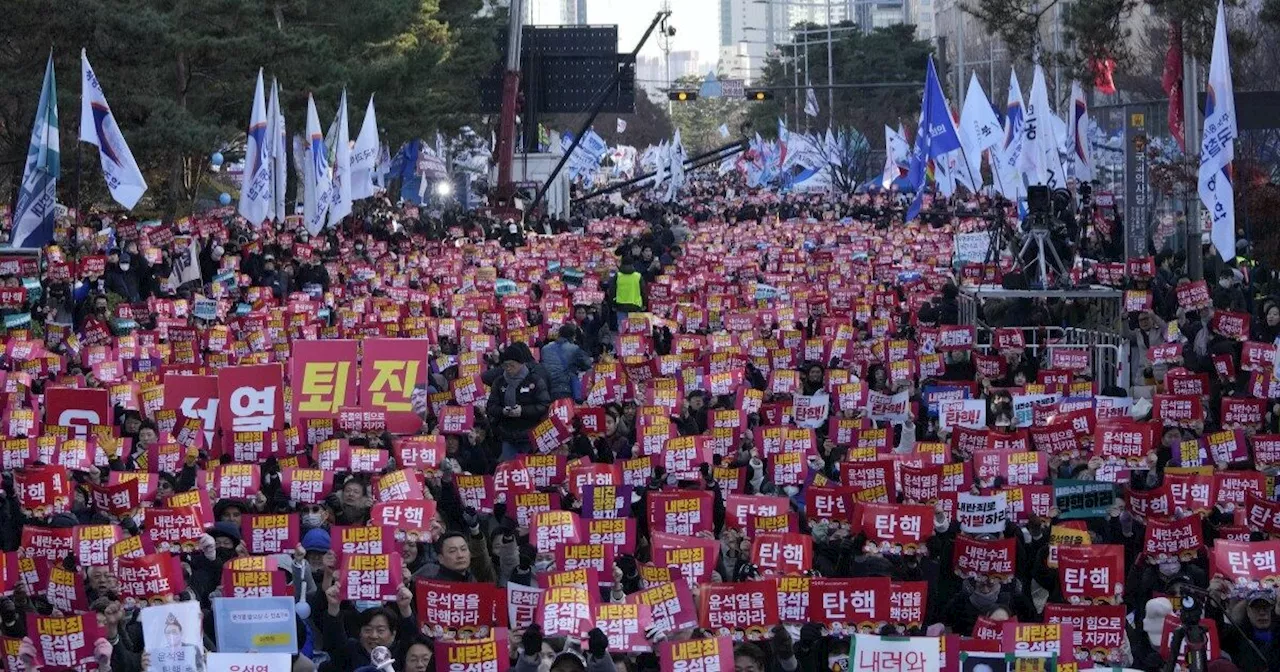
194, 397
251, 398
77, 408
323, 377
393, 368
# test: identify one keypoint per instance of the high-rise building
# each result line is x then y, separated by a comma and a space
574, 12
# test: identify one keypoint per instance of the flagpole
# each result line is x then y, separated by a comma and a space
77, 198
1191, 137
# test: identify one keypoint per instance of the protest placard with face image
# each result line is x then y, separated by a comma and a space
172, 637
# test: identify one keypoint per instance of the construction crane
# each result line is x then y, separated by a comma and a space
504, 195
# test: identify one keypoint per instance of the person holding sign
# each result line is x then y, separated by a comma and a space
173, 639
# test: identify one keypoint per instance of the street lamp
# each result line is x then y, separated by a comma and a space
830, 59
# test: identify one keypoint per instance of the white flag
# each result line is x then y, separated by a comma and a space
278, 155
810, 102
1040, 161
1080, 150
1009, 180
979, 128
724, 130
186, 266
341, 193
256, 200
364, 160
675, 158
317, 179
1217, 146
890, 172
98, 127
622, 125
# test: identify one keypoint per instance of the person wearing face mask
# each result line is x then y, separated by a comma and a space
313, 516
120, 277
1227, 295
1162, 576
98, 318
977, 597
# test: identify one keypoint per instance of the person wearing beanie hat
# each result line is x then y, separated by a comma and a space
1256, 644
518, 401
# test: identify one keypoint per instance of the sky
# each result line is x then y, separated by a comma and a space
697, 24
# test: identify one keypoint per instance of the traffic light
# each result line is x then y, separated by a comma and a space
682, 96
759, 95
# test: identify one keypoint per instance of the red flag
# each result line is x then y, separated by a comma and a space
1172, 83
1103, 69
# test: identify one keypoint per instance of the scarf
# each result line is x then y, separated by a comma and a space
513, 385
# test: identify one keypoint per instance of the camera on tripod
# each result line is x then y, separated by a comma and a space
1047, 232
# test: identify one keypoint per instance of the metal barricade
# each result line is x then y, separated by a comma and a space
1108, 351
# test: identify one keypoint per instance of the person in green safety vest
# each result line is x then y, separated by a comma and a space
627, 292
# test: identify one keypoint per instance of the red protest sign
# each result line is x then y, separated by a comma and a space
147, 578
347, 540
893, 528
744, 611
323, 377
782, 553
43, 491
1126, 443
410, 520
625, 626
306, 486
174, 529
1249, 565
267, 533
681, 512
451, 608
64, 642
551, 529
236, 481
711, 653
1180, 539
1097, 631
489, 655
1177, 409
251, 398
1194, 295
118, 499
1039, 639
402, 485
77, 408
1230, 324
566, 610
254, 577
1243, 413
1091, 574
671, 604
907, 603
978, 557
695, 557
862, 604
93, 544
371, 577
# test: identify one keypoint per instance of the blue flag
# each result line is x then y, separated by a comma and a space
935, 136
34, 215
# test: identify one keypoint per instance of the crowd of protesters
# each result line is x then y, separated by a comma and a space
680, 317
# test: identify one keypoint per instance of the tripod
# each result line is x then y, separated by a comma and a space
1042, 265
997, 233
1197, 641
